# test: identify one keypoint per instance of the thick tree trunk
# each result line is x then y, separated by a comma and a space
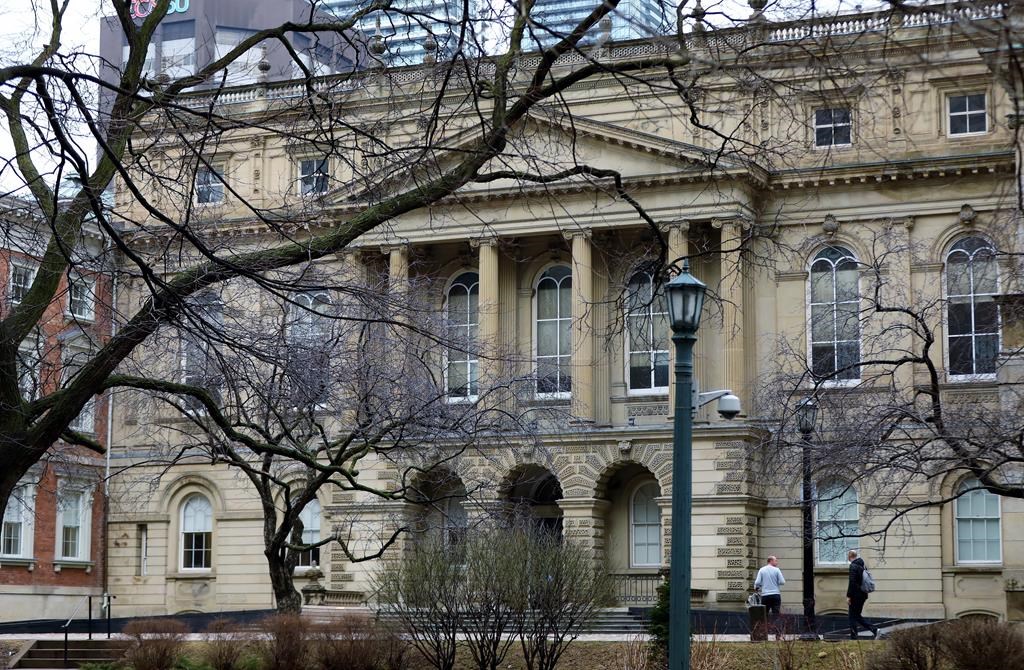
283, 582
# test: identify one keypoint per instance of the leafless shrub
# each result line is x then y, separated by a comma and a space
224, 646
156, 644
283, 645
355, 642
849, 658
982, 644
634, 654
710, 654
919, 648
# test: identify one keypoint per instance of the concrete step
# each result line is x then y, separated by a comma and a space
50, 653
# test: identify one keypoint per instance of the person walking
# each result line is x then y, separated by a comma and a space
769, 583
856, 596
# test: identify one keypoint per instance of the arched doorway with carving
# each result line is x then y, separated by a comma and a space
531, 493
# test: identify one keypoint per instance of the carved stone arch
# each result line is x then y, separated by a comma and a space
446, 275
534, 269
843, 241
186, 484
653, 457
950, 235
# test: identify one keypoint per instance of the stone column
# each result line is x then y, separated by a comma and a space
398, 266
489, 331
731, 291
678, 248
583, 524
582, 326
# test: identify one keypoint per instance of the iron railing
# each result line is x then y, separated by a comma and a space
636, 590
106, 601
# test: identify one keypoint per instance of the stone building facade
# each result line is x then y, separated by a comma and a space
913, 151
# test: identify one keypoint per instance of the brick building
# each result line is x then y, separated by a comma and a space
52, 542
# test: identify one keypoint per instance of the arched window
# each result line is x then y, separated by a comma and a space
310, 516
645, 527
978, 537
554, 339
972, 282
196, 533
463, 318
834, 317
456, 522
838, 522
309, 346
647, 333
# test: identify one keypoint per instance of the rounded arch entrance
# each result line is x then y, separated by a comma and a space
632, 518
532, 492
440, 506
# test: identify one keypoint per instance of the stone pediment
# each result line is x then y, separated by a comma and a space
541, 147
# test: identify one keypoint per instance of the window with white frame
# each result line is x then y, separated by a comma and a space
647, 333
837, 522
27, 365
209, 184
832, 127
81, 296
314, 176
196, 533
309, 334
553, 307
199, 364
73, 522
645, 527
22, 275
73, 359
462, 318
142, 549
310, 516
835, 315
456, 522
967, 115
17, 529
978, 533
972, 316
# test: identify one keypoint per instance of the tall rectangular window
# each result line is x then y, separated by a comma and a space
142, 549
313, 176
74, 357
209, 185
967, 115
832, 127
22, 276
70, 511
978, 533
14, 533
648, 334
81, 297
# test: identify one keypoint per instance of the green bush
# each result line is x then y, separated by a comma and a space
658, 624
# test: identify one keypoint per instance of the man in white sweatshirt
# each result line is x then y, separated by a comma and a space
768, 583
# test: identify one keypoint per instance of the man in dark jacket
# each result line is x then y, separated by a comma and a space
856, 597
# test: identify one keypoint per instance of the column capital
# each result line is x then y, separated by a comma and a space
484, 241
571, 235
682, 225
386, 249
741, 220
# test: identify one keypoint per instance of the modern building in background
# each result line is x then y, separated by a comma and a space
405, 35
632, 19
197, 32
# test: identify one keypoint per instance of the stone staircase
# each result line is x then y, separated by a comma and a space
50, 653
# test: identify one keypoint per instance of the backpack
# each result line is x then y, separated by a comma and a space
867, 582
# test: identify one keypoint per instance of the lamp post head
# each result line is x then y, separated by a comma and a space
685, 295
807, 415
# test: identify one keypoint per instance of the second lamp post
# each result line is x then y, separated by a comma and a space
806, 419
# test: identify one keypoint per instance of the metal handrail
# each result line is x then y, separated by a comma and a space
107, 603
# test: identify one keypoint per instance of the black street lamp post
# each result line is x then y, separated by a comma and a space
685, 295
806, 418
